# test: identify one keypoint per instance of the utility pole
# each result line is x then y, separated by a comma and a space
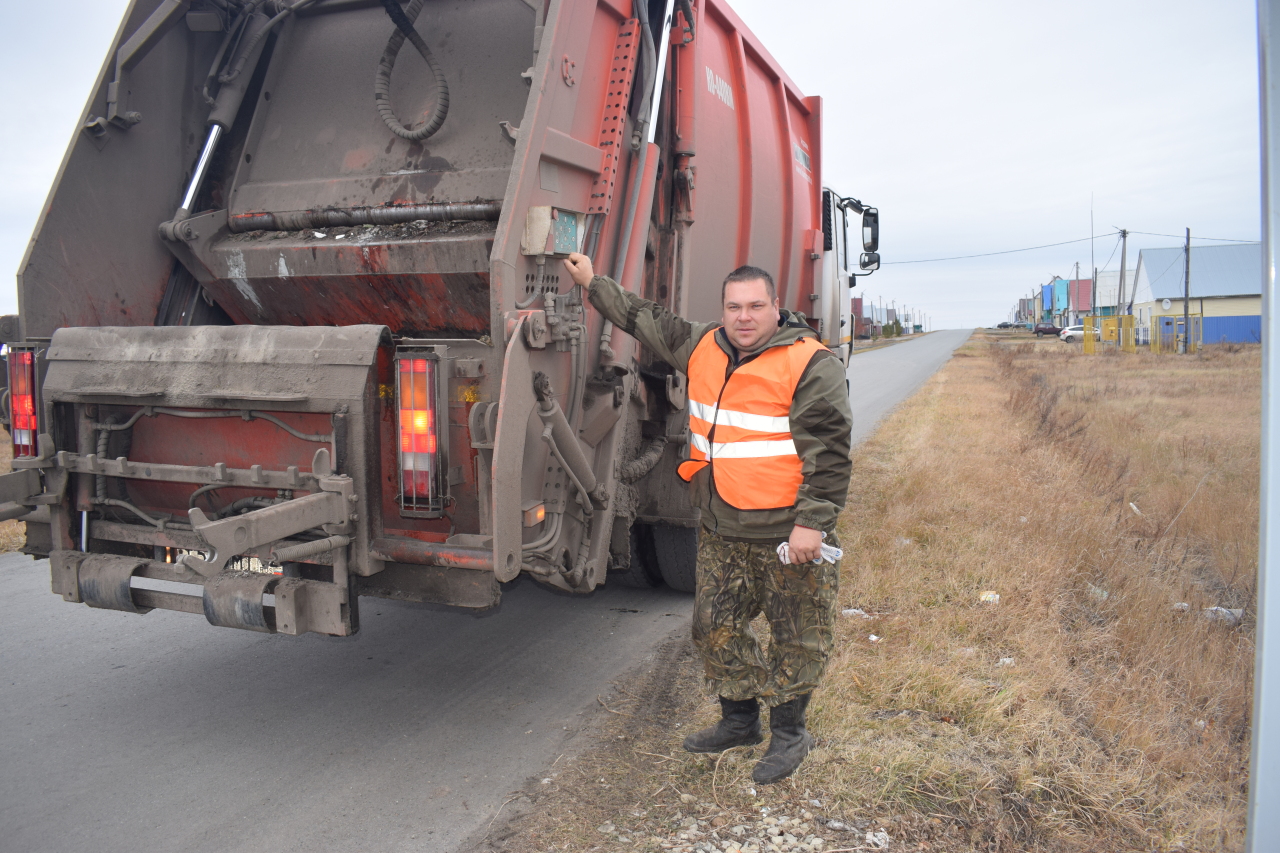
1093, 297
1186, 298
1124, 248
1074, 297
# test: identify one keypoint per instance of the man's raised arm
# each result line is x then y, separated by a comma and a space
671, 337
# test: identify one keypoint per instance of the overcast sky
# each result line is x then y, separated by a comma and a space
975, 127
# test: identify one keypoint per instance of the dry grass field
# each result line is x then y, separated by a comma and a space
1108, 501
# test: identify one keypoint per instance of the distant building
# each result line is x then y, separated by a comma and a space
861, 323
1226, 291
1061, 302
1107, 293
1080, 297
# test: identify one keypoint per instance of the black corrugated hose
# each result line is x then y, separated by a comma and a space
403, 19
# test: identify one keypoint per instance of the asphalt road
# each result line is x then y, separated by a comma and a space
879, 379
160, 733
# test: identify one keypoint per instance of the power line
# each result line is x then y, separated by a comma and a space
1181, 236
1113, 252
1005, 252
1177, 258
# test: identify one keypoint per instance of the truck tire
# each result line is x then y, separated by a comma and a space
642, 570
676, 549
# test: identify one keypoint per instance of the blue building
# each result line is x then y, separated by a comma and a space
1226, 291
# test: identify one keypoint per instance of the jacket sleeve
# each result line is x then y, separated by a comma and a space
821, 422
671, 337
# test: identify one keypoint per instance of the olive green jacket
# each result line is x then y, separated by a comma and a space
820, 416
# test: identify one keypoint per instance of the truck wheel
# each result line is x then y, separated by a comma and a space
676, 549
642, 570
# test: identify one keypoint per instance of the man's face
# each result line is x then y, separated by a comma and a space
750, 316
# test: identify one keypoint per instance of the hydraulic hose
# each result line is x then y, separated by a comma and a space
99, 481
650, 453
403, 19
244, 54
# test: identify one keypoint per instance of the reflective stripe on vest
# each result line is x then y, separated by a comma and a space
740, 424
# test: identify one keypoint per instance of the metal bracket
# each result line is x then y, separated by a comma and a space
132, 52
64, 573
535, 329
241, 533
235, 601
44, 444
20, 486
326, 509
307, 605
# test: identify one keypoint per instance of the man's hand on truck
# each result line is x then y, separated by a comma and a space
579, 267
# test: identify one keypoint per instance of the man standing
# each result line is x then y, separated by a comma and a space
768, 464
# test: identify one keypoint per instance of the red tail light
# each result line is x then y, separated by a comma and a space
421, 457
22, 402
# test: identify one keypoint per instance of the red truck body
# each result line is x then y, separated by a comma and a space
352, 362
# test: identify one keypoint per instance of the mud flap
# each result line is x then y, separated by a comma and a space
235, 601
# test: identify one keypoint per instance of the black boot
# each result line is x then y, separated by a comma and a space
789, 743
739, 726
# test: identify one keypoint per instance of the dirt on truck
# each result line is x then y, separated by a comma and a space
294, 327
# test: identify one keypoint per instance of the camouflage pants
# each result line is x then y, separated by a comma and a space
738, 581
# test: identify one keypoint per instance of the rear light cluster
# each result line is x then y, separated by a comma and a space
421, 438
25, 424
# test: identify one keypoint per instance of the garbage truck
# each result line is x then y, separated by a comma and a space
294, 328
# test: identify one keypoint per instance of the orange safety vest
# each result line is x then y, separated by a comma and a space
740, 422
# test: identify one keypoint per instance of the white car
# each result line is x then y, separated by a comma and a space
1074, 334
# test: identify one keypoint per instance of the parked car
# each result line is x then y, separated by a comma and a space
1005, 325
1075, 334
1043, 329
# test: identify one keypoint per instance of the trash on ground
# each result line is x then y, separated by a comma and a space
878, 840
1135, 509
1097, 593
856, 611
989, 596
1181, 607
873, 638
1224, 615
1005, 662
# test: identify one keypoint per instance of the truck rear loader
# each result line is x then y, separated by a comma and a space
293, 327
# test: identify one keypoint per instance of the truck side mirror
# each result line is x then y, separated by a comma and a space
870, 230
870, 261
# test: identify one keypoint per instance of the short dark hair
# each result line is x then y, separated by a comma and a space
749, 273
